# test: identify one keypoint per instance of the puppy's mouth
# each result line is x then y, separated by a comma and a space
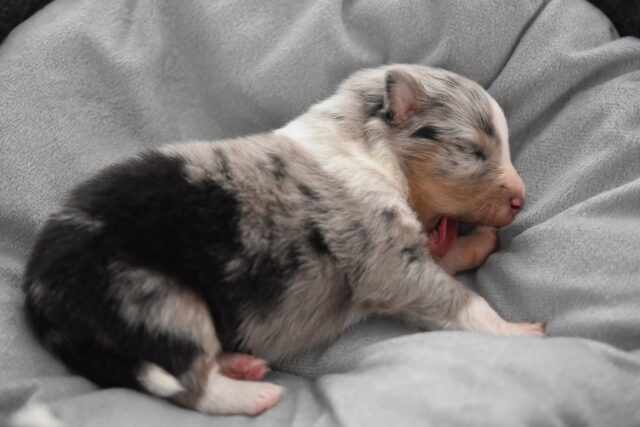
442, 236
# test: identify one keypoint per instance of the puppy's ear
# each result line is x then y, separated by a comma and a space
402, 96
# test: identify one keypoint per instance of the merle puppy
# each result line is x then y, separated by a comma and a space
182, 270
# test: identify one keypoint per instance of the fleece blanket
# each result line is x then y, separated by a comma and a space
84, 83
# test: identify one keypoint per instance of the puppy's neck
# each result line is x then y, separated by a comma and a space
340, 135
420, 200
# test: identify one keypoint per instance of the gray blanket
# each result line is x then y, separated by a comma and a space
85, 83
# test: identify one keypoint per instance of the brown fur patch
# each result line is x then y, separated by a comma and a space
476, 197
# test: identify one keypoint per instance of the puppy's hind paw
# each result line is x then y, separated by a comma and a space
267, 397
242, 366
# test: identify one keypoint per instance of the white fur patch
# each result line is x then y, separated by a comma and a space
513, 180
342, 156
500, 123
34, 415
479, 316
158, 381
37, 292
78, 218
224, 395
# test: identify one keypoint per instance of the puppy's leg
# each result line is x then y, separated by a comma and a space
471, 251
477, 315
396, 276
207, 387
194, 379
224, 395
439, 301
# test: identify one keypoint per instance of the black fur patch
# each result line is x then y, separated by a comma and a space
389, 214
72, 311
487, 126
387, 112
413, 253
317, 240
152, 218
389, 84
155, 219
278, 167
372, 103
308, 192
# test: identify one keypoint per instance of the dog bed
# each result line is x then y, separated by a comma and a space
86, 83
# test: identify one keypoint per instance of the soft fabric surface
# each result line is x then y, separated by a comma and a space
85, 83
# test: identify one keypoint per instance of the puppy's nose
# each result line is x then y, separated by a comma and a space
517, 203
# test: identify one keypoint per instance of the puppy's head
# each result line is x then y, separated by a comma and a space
452, 140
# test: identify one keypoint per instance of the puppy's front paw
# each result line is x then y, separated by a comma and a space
478, 315
473, 250
533, 329
484, 242
470, 251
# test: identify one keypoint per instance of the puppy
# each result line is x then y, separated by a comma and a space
182, 270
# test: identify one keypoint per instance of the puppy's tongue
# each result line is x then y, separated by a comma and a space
442, 236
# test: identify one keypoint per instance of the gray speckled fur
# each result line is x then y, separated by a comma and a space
367, 268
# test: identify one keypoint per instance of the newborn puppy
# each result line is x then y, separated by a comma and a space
182, 270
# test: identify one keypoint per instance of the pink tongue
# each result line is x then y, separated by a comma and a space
441, 239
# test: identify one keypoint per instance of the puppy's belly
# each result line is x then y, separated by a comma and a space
314, 309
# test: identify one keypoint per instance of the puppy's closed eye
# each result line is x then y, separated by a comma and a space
479, 154
472, 150
426, 132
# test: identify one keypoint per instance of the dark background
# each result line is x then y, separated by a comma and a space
625, 14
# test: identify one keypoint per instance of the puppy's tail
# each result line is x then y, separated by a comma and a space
158, 381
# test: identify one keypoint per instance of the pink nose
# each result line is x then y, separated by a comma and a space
517, 203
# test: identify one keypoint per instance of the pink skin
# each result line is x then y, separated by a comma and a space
470, 251
241, 366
